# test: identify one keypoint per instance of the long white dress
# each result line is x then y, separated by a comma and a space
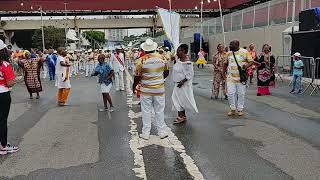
183, 98
61, 74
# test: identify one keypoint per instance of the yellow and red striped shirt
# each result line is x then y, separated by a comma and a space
151, 67
243, 56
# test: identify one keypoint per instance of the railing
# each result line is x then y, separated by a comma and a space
284, 66
265, 14
316, 75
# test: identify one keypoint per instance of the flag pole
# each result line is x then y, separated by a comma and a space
170, 10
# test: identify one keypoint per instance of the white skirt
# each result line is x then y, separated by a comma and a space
105, 88
183, 98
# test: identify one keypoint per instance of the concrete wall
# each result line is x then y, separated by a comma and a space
271, 35
124, 23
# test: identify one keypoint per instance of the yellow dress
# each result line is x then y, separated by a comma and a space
201, 59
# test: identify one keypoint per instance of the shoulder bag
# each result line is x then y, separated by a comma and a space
242, 72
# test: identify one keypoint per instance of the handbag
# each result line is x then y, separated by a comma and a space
242, 72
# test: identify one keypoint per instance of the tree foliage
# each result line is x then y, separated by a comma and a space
53, 37
96, 38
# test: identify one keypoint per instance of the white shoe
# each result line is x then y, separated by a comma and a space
145, 137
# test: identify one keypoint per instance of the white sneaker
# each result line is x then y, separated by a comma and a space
145, 137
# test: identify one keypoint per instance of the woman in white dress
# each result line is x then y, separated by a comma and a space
182, 96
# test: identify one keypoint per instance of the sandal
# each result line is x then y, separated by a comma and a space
179, 120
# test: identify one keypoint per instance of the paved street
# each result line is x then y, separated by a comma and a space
278, 139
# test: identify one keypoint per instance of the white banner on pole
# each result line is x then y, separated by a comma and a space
171, 25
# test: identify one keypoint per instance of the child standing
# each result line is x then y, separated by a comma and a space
297, 74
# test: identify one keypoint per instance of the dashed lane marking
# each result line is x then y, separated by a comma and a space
171, 142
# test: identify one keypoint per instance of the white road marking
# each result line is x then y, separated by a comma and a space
171, 142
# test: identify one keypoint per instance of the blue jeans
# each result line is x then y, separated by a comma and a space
52, 73
296, 83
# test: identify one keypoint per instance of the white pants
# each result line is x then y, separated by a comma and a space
75, 68
81, 65
89, 69
45, 71
148, 104
236, 94
119, 80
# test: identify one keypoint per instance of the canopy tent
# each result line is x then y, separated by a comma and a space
84, 42
72, 35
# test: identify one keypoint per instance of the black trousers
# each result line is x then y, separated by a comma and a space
5, 102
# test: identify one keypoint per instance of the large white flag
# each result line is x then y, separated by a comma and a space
171, 25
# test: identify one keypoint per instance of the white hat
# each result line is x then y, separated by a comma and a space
90, 50
2, 45
55, 52
297, 54
149, 45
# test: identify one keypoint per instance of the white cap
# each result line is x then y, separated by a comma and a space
90, 50
2, 45
55, 52
297, 54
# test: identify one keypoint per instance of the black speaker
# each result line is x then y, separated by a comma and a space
308, 20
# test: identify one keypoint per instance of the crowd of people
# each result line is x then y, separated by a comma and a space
149, 64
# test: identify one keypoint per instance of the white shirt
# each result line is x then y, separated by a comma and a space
61, 74
115, 64
182, 70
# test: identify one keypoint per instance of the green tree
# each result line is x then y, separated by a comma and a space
96, 38
53, 37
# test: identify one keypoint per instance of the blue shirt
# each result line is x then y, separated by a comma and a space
104, 71
51, 61
297, 64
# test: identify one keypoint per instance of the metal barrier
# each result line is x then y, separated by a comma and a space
283, 66
316, 75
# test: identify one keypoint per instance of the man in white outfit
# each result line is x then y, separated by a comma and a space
151, 71
75, 66
118, 66
236, 58
89, 63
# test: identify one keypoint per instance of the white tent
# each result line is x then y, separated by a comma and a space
84, 42
72, 35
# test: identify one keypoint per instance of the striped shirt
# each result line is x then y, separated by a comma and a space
243, 56
151, 67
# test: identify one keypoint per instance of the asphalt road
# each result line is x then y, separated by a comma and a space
277, 139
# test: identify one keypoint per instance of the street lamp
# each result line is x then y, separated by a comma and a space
65, 29
201, 17
42, 31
